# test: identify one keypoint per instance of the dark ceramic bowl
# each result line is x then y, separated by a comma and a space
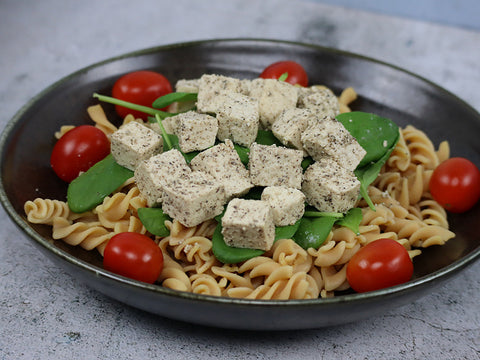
384, 89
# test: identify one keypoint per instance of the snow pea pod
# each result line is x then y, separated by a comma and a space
90, 188
154, 220
312, 232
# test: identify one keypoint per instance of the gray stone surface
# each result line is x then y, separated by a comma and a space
46, 314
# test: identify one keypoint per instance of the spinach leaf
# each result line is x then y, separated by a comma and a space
312, 232
367, 174
286, 232
90, 188
154, 220
242, 153
351, 219
266, 137
228, 254
374, 133
169, 99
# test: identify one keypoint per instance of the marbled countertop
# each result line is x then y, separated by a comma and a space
46, 314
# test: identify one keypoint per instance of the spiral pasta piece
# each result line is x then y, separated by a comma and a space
88, 235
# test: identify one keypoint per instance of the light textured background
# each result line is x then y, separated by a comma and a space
46, 314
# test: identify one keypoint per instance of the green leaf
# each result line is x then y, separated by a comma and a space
312, 232
351, 220
266, 137
90, 188
367, 174
228, 254
374, 133
169, 99
243, 153
154, 221
286, 232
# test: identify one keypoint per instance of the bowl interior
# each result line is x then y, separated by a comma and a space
383, 89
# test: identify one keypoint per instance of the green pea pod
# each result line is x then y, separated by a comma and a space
228, 254
312, 232
374, 133
154, 220
90, 188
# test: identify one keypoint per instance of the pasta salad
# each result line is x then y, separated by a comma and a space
262, 189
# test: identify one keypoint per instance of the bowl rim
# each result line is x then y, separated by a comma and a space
62, 255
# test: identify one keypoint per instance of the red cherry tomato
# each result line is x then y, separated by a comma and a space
78, 150
380, 264
455, 184
296, 72
140, 87
133, 255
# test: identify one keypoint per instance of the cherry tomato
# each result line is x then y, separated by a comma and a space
296, 72
133, 255
78, 150
140, 87
455, 184
380, 264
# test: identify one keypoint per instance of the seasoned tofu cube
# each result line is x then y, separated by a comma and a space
223, 163
290, 125
133, 143
329, 138
330, 187
153, 173
186, 86
319, 99
210, 87
273, 97
195, 131
248, 224
169, 124
194, 198
272, 165
238, 119
287, 204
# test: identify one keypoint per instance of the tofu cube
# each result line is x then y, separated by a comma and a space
272, 165
330, 187
133, 143
153, 173
248, 224
169, 124
238, 119
287, 204
290, 125
223, 163
195, 131
329, 138
186, 86
210, 87
273, 97
319, 99
194, 198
